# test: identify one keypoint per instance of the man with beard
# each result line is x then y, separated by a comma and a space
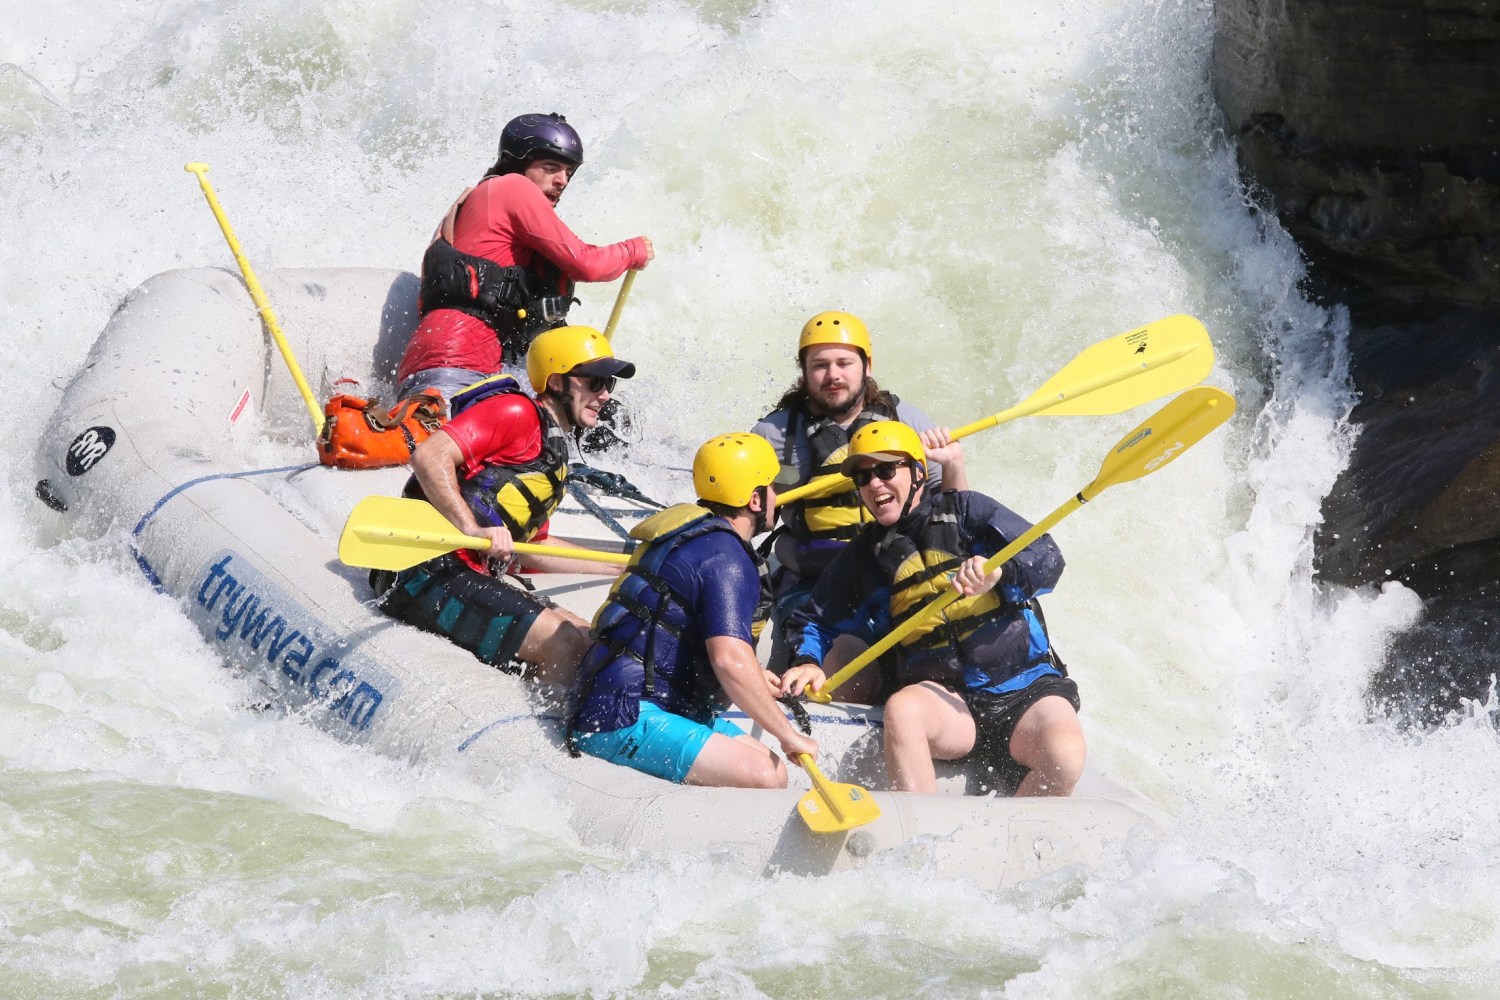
496, 471
502, 266
810, 428
979, 680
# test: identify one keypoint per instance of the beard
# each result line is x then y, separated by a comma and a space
855, 398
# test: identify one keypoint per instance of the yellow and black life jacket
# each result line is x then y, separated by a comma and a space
838, 516
520, 497
919, 565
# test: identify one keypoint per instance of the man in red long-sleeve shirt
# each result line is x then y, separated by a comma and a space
503, 265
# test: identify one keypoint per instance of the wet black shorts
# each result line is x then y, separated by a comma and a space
991, 767
486, 616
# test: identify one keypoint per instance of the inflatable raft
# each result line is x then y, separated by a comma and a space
185, 434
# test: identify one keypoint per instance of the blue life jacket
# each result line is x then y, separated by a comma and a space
641, 605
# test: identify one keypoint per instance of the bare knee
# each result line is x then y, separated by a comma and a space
1053, 747
769, 770
905, 714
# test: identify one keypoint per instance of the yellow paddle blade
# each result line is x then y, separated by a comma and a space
1159, 441
1123, 372
393, 533
833, 806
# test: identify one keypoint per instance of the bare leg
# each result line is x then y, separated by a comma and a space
741, 762
1049, 740
555, 643
924, 722
863, 686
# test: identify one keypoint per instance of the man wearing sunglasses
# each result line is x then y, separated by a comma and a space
496, 470
978, 682
502, 266
834, 396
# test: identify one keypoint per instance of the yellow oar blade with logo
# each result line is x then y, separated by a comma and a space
1148, 448
833, 806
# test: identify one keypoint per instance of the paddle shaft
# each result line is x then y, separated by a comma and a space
824, 787
257, 294
1037, 403
937, 604
614, 314
459, 541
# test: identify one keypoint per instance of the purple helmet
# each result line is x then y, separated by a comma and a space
532, 137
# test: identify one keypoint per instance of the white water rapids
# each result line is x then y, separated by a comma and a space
993, 189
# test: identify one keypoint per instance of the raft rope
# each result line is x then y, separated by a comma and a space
610, 484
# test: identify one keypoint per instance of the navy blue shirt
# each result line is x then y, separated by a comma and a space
718, 586
853, 596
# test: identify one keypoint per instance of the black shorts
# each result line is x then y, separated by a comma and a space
486, 616
990, 765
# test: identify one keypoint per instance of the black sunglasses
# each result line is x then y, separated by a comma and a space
885, 470
597, 383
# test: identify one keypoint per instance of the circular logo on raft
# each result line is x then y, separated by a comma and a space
87, 448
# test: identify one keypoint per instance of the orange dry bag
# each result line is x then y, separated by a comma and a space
359, 434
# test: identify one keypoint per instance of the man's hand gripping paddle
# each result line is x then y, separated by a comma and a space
1112, 376
1151, 446
392, 533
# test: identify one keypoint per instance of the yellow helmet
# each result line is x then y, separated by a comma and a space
884, 441
729, 469
572, 350
836, 328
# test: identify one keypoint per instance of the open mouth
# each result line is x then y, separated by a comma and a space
881, 500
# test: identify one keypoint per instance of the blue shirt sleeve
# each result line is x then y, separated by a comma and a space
1035, 570
722, 584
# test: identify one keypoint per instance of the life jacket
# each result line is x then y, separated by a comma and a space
975, 642
823, 525
520, 497
516, 302
641, 604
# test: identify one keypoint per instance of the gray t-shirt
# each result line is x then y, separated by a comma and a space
773, 426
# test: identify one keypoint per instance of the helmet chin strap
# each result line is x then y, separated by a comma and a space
762, 522
918, 479
562, 403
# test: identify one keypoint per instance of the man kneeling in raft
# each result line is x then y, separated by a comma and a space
675, 641
979, 679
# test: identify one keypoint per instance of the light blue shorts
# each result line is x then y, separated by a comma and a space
660, 743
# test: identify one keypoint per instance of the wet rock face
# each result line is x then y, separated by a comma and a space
1420, 500
1374, 127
